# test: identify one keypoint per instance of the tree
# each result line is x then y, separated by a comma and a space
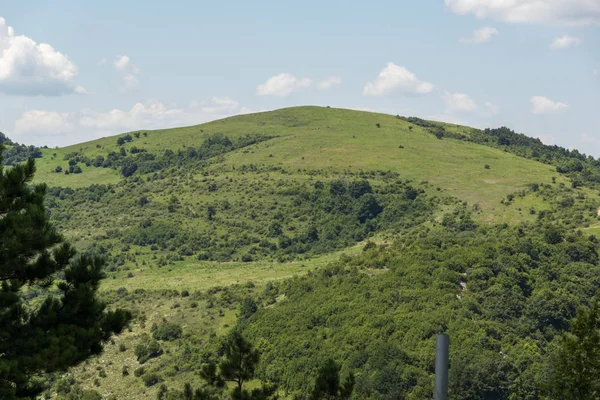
71, 324
211, 211
359, 188
327, 384
240, 360
575, 367
128, 167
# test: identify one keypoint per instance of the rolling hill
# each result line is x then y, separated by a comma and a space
354, 234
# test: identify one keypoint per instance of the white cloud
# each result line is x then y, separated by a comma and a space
30, 69
129, 74
130, 83
564, 42
43, 126
549, 12
458, 102
480, 36
122, 62
329, 82
49, 122
543, 105
282, 85
394, 78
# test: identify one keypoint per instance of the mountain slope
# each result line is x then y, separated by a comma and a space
389, 230
339, 140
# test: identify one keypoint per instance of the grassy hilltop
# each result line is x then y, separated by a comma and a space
353, 234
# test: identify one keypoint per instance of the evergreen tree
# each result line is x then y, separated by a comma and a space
71, 324
240, 360
327, 384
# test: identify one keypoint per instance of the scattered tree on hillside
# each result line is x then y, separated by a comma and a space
71, 324
240, 360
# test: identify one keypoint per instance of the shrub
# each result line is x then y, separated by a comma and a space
147, 350
139, 372
167, 332
151, 380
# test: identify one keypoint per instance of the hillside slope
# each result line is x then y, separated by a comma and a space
398, 210
315, 138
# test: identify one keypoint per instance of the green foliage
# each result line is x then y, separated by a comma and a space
16, 153
328, 386
501, 293
575, 365
147, 349
167, 331
70, 323
239, 360
150, 379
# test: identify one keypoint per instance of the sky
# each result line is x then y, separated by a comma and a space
72, 71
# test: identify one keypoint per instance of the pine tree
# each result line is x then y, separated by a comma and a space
240, 360
71, 324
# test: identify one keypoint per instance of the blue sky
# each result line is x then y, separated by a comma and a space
72, 71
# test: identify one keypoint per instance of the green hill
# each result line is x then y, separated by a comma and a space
349, 230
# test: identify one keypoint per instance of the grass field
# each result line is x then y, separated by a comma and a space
309, 138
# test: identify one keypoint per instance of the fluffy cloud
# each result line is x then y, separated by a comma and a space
329, 82
564, 42
282, 85
122, 62
543, 105
129, 74
458, 102
30, 69
50, 122
35, 126
551, 12
396, 79
480, 36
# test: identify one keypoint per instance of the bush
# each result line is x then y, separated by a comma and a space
139, 372
167, 332
122, 348
151, 380
147, 350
